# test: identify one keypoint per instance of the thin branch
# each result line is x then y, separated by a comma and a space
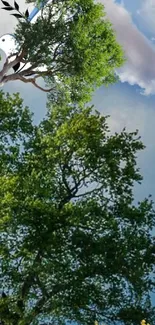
41, 88
89, 192
55, 51
13, 54
69, 191
32, 80
17, 76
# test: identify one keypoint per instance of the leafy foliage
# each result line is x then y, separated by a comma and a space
75, 42
73, 244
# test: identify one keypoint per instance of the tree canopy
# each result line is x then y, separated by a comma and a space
74, 42
74, 246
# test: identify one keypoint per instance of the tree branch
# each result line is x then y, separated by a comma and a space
55, 51
41, 88
15, 76
32, 80
8, 65
89, 192
30, 278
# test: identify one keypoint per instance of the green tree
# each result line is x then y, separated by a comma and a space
74, 42
73, 244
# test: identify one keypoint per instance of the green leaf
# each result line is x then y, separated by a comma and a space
72, 235
80, 52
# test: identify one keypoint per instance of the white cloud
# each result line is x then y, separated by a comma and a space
147, 12
140, 53
128, 109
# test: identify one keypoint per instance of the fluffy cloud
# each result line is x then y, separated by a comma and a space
127, 108
147, 13
140, 53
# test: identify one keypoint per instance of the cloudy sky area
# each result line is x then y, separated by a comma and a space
131, 102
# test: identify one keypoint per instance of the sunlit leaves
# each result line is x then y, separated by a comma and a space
71, 236
79, 49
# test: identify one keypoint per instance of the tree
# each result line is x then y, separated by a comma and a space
73, 244
74, 42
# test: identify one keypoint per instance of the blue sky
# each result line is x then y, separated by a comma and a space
131, 102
